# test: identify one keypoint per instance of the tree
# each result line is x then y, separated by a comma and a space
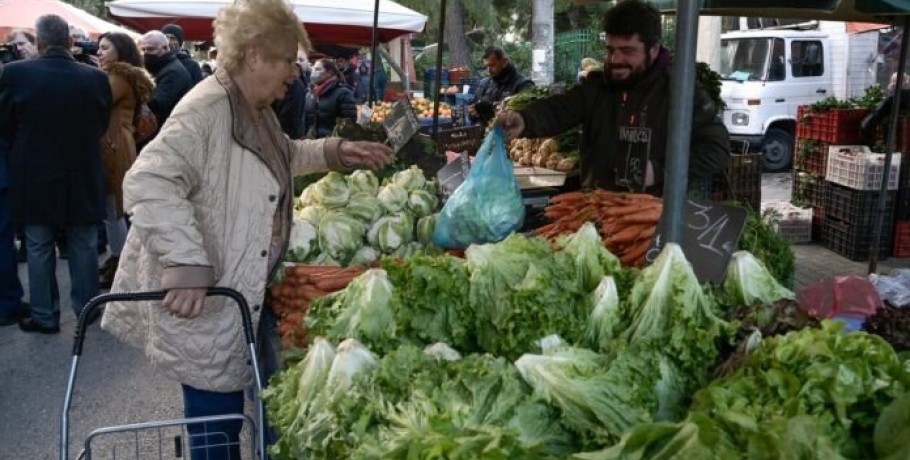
95, 7
479, 17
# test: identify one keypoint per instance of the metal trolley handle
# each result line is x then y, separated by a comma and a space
97, 302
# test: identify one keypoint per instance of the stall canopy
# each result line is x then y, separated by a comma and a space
22, 14
344, 22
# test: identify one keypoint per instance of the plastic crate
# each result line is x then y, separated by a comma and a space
809, 124
902, 239
842, 126
855, 241
793, 223
741, 182
818, 224
809, 190
902, 204
811, 156
854, 166
856, 206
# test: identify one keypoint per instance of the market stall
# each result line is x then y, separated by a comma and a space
22, 14
326, 21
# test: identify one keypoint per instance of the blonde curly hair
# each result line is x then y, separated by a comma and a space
269, 23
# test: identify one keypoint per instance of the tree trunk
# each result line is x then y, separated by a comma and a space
455, 35
542, 42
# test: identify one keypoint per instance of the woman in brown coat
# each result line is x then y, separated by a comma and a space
131, 85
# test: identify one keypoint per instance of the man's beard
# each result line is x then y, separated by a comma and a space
634, 75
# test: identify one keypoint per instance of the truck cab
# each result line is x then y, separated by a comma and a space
766, 75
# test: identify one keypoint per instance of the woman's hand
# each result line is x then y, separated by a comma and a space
370, 154
185, 303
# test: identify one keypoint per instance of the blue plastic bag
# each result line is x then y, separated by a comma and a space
487, 207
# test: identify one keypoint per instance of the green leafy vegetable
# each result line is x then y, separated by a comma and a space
748, 281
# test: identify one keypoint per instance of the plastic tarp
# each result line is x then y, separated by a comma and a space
344, 22
22, 14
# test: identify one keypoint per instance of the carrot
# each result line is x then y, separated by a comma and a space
544, 230
304, 270
627, 235
645, 216
335, 283
570, 197
634, 256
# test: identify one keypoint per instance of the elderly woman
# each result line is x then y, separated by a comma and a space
211, 205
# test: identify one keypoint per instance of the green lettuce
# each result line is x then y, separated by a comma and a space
748, 281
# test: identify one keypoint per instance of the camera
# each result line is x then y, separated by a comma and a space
9, 52
85, 47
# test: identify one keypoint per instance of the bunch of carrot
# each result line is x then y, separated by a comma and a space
626, 221
301, 285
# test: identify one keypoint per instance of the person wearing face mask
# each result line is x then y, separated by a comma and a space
211, 200
623, 111
328, 100
172, 80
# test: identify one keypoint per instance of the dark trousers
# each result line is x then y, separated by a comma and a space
215, 440
10, 287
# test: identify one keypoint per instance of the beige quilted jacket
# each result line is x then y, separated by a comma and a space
203, 204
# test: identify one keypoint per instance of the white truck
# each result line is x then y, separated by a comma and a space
768, 73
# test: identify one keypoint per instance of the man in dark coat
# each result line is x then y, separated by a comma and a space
504, 81
172, 80
290, 108
174, 34
11, 307
624, 112
53, 113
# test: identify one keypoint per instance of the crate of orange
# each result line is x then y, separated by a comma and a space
301, 285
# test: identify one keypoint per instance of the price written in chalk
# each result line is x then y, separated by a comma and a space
401, 124
712, 233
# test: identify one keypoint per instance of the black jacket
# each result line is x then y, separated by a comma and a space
492, 90
625, 125
290, 110
192, 67
172, 81
322, 111
53, 113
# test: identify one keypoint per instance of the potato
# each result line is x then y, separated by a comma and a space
549, 146
567, 164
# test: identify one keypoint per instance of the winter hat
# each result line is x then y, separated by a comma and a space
175, 30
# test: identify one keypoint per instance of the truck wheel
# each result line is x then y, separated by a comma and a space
778, 150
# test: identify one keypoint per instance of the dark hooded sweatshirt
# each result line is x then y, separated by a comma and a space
625, 125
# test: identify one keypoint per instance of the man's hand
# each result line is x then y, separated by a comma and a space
370, 154
512, 123
185, 303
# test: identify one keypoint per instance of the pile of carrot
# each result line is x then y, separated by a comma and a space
301, 285
626, 221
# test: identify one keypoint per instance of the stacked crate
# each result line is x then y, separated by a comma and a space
854, 176
816, 132
902, 212
741, 183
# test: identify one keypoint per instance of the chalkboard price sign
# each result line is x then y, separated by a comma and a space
452, 175
467, 139
401, 124
711, 237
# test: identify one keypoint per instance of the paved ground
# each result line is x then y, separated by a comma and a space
116, 386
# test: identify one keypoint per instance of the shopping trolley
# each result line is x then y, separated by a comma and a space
168, 437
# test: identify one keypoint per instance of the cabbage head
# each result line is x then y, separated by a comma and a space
340, 235
324, 259
393, 198
749, 281
363, 181
306, 197
391, 232
303, 240
406, 251
312, 214
422, 203
364, 207
365, 256
410, 179
425, 227
332, 190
